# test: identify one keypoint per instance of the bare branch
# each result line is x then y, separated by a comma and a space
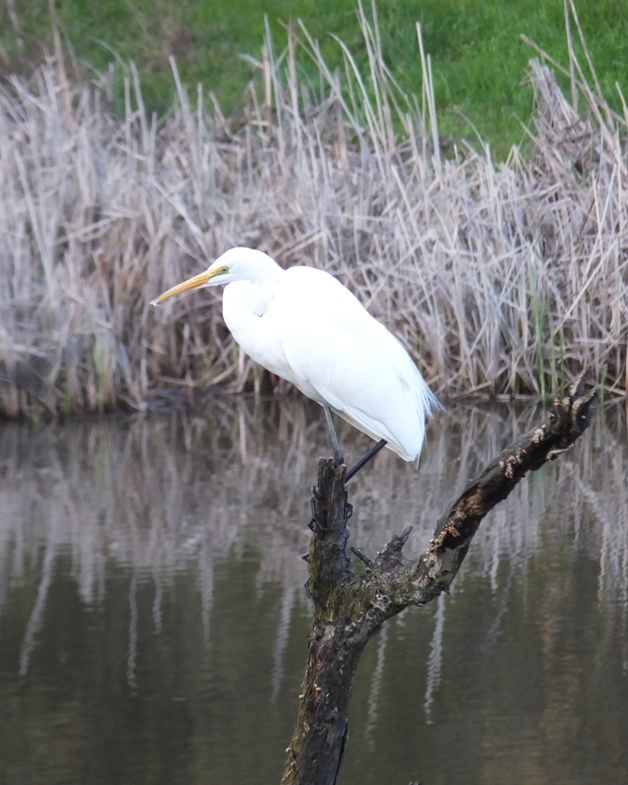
565, 422
349, 610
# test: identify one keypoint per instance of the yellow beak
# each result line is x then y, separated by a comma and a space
192, 283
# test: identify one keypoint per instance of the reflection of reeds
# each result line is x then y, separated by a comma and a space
166, 493
152, 500
169, 494
499, 279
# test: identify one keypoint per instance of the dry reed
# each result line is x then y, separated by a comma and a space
500, 279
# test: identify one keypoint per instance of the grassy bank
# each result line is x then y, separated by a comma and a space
500, 279
478, 57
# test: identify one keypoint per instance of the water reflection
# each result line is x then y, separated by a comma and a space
153, 618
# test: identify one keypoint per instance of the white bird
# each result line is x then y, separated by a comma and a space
304, 326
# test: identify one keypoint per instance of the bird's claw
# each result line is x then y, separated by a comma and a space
348, 510
314, 518
314, 524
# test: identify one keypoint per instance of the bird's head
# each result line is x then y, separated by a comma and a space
236, 264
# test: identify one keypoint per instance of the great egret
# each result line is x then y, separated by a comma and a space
306, 327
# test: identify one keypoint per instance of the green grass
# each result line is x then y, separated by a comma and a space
479, 60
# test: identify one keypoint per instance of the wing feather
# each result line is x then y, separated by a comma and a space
341, 355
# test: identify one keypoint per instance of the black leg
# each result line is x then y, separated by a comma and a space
314, 524
365, 459
338, 459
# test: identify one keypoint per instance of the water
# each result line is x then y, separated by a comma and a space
153, 620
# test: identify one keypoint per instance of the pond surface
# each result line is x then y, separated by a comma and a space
153, 619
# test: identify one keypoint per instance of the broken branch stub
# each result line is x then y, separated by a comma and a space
349, 609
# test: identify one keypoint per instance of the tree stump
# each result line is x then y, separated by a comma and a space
349, 609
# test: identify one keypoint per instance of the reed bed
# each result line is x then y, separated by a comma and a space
500, 279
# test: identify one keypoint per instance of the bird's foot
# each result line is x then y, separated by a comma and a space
314, 524
348, 510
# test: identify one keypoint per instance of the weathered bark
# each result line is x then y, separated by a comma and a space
350, 609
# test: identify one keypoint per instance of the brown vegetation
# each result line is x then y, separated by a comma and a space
500, 279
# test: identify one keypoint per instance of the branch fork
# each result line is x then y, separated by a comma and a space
350, 609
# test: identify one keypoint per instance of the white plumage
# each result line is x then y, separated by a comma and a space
306, 327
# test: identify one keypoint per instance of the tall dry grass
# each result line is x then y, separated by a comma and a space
499, 278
